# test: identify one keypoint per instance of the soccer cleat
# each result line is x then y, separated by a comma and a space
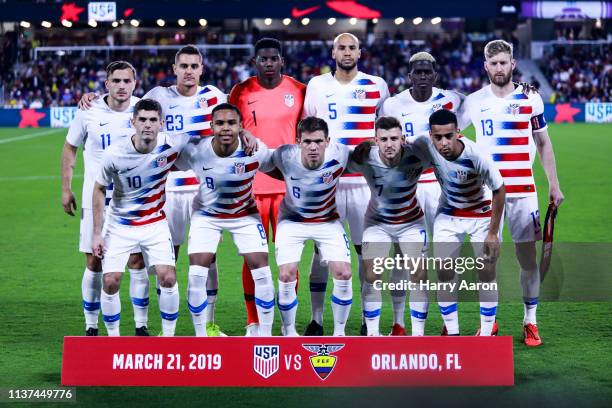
252, 330
444, 332
397, 330
364, 330
314, 329
531, 335
213, 330
494, 331
142, 331
92, 331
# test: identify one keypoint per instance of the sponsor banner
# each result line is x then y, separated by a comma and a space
24, 118
288, 361
598, 112
62, 116
564, 112
567, 10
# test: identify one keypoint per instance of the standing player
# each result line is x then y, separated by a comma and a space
96, 129
392, 169
511, 126
467, 208
312, 169
138, 167
347, 100
271, 106
225, 203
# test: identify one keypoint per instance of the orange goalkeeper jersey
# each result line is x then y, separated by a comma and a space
271, 115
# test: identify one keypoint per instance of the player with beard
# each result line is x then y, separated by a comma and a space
347, 100
511, 126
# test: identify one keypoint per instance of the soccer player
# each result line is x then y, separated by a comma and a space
138, 167
271, 106
467, 208
347, 100
312, 169
392, 169
511, 126
225, 203
106, 123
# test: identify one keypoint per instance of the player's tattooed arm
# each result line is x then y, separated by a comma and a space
547, 157
68, 160
86, 101
248, 141
491, 244
361, 152
98, 199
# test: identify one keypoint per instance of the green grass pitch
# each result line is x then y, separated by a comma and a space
41, 272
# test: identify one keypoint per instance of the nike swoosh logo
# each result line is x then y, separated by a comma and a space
104, 124
206, 169
484, 110
330, 95
173, 106
377, 177
405, 114
129, 169
293, 178
250, 102
297, 13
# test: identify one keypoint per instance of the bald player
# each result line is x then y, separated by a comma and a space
347, 99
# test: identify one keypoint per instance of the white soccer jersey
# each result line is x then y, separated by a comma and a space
349, 109
139, 179
225, 182
310, 194
504, 127
96, 129
463, 181
190, 115
393, 189
414, 116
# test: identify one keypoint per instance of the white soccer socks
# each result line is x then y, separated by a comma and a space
372, 303
139, 293
111, 312
398, 297
318, 285
488, 309
530, 282
342, 298
419, 303
264, 299
91, 286
287, 304
197, 298
168, 308
212, 287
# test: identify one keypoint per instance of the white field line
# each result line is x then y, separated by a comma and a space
29, 136
34, 178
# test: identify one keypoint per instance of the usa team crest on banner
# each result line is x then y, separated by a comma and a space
266, 360
162, 161
239, 168
324, 362
289, 100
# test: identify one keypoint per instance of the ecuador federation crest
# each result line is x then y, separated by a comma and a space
289, 100
323, 362
266, 360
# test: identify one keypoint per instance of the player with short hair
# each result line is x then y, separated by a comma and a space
312, 169
467, 208
347, 99
225, 202
138, 167
511, 126
106, 123
271, 106
392, 169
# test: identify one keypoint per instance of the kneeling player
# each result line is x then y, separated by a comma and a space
225, 203
138, 167
392, 171
312, 169
466, 208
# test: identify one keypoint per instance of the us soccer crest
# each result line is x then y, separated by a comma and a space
266, 360
162, 161
239, 168
462, 175
323, 362
514, 109
328, 177
203, 102
436, 107
289, 100
359, 94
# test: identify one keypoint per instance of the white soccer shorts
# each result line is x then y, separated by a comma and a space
450, 232
523, 217
178, 212
205, 232
86, 231
378, 237
153, 240
329, 237
352, 198
428, 197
